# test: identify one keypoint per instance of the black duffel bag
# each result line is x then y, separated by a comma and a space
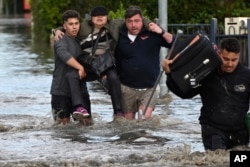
95, 66
195, 58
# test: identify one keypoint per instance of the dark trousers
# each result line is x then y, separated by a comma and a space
79, 90
80, 95
114, 89
214, 138
61, 107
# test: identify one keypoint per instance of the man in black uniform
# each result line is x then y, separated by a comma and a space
225, 97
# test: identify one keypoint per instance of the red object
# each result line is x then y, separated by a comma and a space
26, 5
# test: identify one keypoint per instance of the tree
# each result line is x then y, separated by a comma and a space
47, 13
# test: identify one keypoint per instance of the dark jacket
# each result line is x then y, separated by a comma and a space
64, 49
138, 62
225, 98
112, 27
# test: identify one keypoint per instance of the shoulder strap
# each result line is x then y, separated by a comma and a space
97, 40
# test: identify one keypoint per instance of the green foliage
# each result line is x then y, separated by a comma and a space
118, 14
241, 9
202, 11
47, 13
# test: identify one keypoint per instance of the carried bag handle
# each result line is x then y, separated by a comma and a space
97, 40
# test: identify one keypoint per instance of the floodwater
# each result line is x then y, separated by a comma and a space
28, 136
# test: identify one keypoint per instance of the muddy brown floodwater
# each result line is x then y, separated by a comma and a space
29, 138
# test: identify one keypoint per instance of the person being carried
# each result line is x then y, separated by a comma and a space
66, 51
87, 35
138, 61
225, 97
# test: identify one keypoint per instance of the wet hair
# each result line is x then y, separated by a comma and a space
70, 14
132, 10
230, 45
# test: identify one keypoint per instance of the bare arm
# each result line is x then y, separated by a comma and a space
166, 65
157, 29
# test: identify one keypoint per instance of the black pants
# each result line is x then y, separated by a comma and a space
114, 89
82, 97
214, 138
61, 106
79, 90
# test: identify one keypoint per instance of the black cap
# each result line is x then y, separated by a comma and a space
99, 11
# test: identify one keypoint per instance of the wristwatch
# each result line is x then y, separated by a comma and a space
163, 31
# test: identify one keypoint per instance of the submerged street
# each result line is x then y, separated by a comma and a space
29, 137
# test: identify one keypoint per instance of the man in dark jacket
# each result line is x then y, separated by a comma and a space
138, 62
87, 35
225, 97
